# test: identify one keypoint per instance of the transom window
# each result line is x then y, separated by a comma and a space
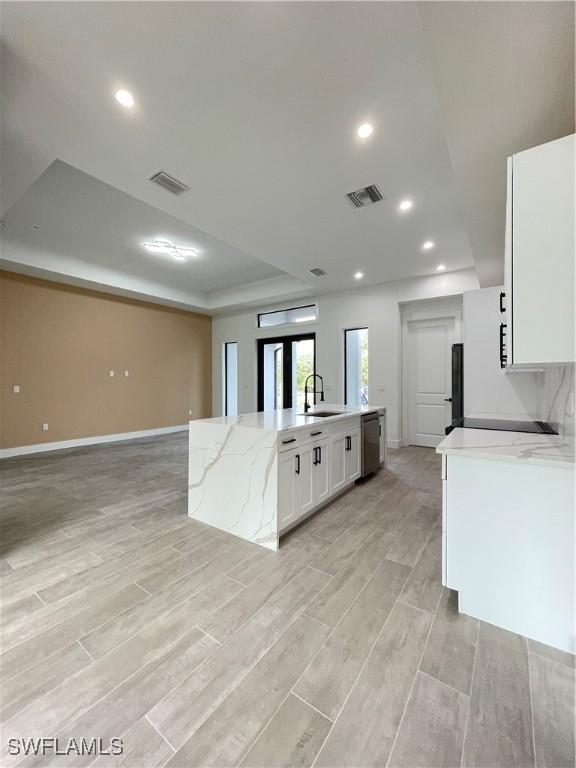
306, 314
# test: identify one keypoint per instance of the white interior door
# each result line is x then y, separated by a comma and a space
429, 379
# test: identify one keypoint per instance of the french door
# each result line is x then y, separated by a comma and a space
284, 362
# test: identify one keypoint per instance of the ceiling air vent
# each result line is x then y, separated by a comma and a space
169, 183
318, 271
365, 196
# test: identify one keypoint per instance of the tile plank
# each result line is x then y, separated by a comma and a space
553, 692
451, 647
292, 739
499, 732
225, 736
432, 731
364, 732
329, 678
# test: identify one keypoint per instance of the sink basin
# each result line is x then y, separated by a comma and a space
323, 414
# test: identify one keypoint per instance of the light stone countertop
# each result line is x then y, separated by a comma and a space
509, 446
291, 418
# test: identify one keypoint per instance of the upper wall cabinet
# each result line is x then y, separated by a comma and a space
538, 322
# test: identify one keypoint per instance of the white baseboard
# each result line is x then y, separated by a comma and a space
21, 450
393, 443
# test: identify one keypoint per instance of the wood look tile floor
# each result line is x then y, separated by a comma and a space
123, 618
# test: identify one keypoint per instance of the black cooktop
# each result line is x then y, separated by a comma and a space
504, 425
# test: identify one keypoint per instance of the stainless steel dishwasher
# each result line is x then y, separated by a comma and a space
370, 443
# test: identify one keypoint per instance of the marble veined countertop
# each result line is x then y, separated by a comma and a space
509, 446
291, 418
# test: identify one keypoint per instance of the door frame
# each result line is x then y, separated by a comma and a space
431, 309
286, 363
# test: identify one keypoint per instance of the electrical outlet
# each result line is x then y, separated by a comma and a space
111, 374
44, 427
16, 389
126, 374
189, 413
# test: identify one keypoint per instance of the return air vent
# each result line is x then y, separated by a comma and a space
365, 196
169, 183
318, 271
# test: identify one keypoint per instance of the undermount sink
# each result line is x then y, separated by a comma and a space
323, 414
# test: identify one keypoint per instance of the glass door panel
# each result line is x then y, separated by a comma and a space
283, 365
302, 367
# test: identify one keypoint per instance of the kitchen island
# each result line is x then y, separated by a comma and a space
257, 475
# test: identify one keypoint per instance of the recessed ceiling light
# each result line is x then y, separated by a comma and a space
365, 130
176, 252
125, 98
405, 205
358, 275
427, 245
440, 268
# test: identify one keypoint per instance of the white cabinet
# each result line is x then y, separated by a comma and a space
353, 457
508, 545
287, 474
382, 438
321, 471
303, 480
305, 483
538, 324
338, 476
345, 457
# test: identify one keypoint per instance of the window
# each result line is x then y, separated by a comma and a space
230, 379
356, 366
285, 316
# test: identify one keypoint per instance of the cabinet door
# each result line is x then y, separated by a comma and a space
543, 254
382, 439
304, 500
322, 471
353, 466
338, 478
287, 466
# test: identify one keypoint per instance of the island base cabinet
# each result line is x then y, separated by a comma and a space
303, 481
509, 545
345, 459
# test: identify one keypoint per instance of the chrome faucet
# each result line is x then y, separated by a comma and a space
313, 376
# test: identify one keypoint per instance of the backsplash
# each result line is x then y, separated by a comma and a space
557, 399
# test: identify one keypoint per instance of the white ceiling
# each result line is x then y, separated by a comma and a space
255, 105
71, 223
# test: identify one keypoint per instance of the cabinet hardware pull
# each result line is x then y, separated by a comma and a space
348, 443
313, 434
292, 440
503, 355
297, 463
502, 307
380, 430
319, 454
315, 456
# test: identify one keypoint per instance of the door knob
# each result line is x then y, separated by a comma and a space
447, 399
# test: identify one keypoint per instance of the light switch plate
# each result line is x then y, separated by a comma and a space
111, 373
126, 373
44, 427
16, 389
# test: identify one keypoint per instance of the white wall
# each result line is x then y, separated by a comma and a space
558, 401
377, 308
488, 391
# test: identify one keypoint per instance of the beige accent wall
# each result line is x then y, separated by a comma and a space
58, 343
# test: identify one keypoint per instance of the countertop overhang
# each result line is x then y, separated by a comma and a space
291, 418
509, 446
